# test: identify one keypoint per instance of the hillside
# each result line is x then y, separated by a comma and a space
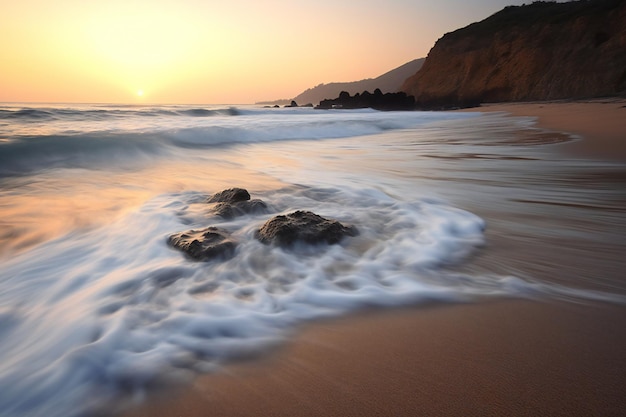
541, 51
389, 82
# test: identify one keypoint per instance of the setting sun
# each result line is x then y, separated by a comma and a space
139, 93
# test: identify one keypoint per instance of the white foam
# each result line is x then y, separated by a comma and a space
115, 310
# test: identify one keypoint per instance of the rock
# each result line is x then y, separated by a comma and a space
539, 51
303, 226
229, 211
236, 202
203, 245
232, 195
388, 82
292, 104
378, 101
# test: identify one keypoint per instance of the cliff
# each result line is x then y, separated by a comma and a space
389, 82
541, 51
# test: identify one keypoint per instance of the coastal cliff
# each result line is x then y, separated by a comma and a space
541, 51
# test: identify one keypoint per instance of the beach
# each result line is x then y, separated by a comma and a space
515, 356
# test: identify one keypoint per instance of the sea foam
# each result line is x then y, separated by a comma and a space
116, 311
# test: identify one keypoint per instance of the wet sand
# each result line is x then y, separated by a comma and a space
506, 358
510, 357
601, 123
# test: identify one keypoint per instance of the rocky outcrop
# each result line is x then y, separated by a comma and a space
214, 243
232, 195
235, 202
204, 245
377, 100
305, 227
541, 51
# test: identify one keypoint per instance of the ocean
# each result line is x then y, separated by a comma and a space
96, 308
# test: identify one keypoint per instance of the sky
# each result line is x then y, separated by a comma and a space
212, 52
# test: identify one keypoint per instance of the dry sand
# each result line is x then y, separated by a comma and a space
505, 358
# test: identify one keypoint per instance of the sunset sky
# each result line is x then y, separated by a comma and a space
201, 51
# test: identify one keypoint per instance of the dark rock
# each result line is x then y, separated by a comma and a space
378, 101
236, 202
303, 226
232, 195
292, 104
389, 82
254, 206
204, 245
229, 211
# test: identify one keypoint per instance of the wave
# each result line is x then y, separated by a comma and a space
97, 141
74, 114
33, 154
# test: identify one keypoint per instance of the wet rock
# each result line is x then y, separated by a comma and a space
229, 211
232, 195
303, 226
203, 245
236, 202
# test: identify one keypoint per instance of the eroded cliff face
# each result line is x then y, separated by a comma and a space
542, 51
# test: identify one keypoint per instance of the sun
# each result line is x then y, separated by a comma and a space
139, 93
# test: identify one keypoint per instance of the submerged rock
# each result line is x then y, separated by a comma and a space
303, 226
229, 211
205, 244
236, 202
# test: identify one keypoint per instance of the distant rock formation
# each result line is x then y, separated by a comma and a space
389, 82
541, 51
377, 100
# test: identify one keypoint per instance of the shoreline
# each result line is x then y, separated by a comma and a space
492, 358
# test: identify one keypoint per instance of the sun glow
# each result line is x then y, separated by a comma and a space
185, 51
139, 93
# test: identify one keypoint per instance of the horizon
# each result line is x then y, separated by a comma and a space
193, 53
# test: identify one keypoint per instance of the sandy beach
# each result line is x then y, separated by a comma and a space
497, 358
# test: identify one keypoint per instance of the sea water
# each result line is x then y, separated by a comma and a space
95, 306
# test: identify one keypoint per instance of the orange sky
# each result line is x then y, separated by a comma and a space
201, 51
